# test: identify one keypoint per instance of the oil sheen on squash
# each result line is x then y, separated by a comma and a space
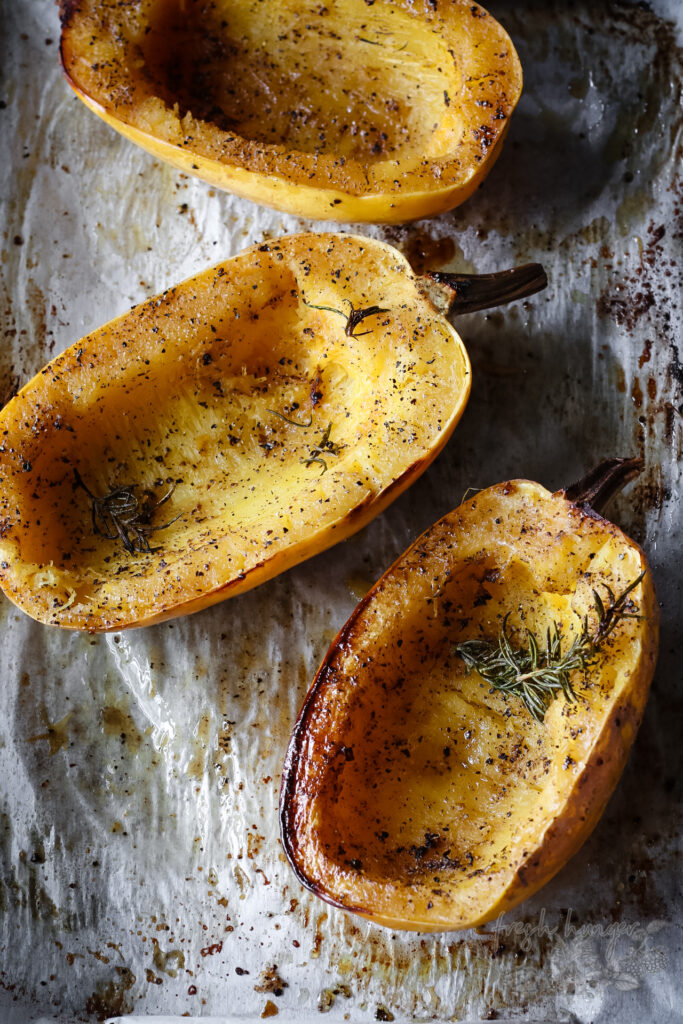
282, 428
413, 794
380, 102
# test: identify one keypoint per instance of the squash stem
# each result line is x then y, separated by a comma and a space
466, 293
597, 488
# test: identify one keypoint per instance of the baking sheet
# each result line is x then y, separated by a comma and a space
140, 867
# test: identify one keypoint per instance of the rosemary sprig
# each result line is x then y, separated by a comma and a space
125, 513
537, 676
353, 318
320, 451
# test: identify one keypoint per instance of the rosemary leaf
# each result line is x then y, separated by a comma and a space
294, 423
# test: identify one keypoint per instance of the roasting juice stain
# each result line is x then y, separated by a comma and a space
632, 210
41, 905
486, 965
242, 881
220, 755
359, 584
38, 855
196, 769
426, 253
646, 354
648, 495
490, 963
117, 721
37, 306
595, 232
168, 963
319, 936
643, 300
102, 957
9, 385
112, 998
56, 733
629, 297
15, 341
254, 844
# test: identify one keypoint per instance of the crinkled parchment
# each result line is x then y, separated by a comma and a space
140, 867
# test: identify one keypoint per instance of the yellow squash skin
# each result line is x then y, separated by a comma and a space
189, 389
384, 112
412, 794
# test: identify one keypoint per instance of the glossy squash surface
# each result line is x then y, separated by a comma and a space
274, 404
415, 795
354, 111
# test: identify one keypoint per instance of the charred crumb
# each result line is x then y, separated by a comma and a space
328, 996
271, 981
326, 1000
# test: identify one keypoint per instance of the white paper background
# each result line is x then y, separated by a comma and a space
139, 773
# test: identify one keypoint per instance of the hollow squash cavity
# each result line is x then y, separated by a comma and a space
256, 426
349, 110
413, 793
257, 77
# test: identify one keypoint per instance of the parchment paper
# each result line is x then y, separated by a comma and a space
140, 866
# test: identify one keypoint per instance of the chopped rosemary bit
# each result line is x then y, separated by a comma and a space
535, 675
121, 513
320, 451
353, 318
